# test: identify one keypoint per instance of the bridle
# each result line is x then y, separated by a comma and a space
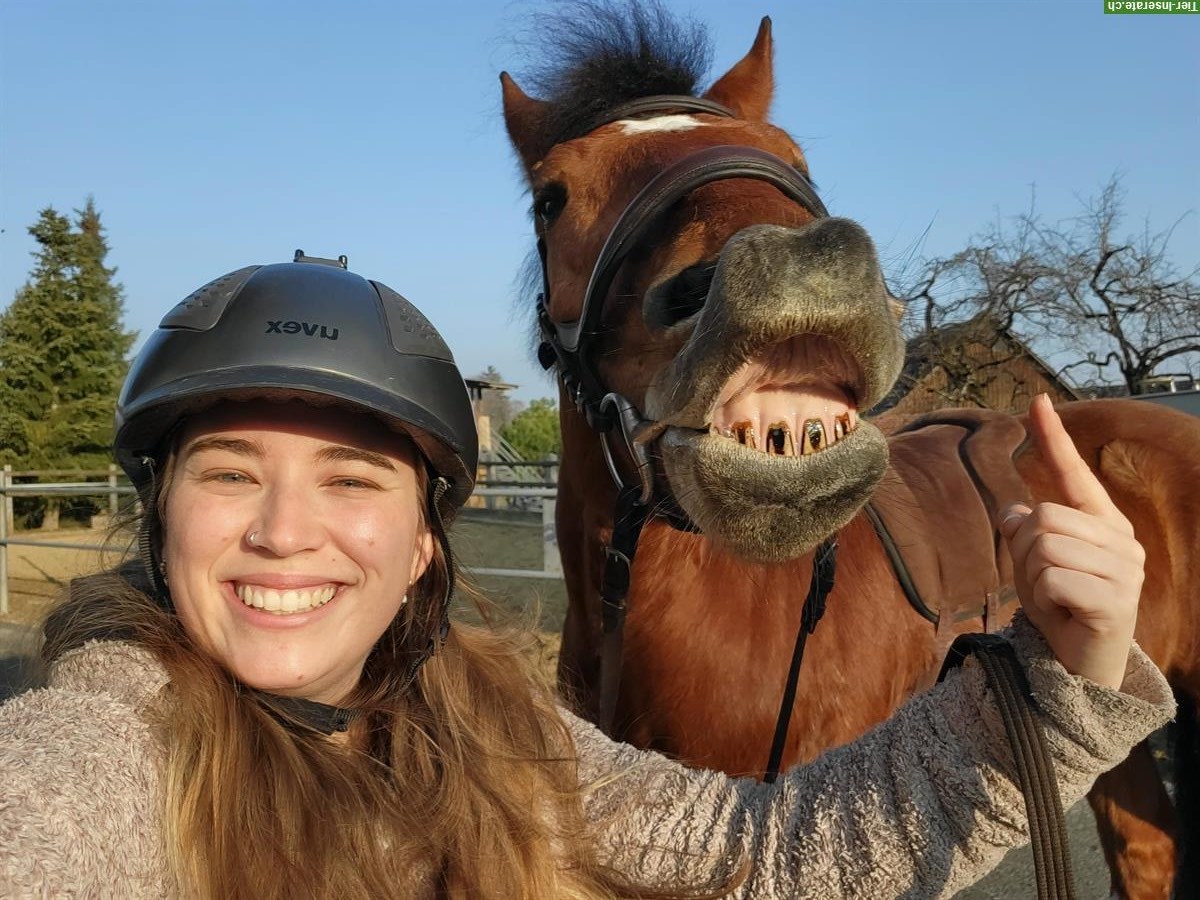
569, 345
624, 433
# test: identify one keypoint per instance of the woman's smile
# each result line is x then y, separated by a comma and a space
286, 602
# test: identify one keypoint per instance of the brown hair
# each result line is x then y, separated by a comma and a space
464, 784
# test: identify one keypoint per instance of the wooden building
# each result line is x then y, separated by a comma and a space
970, 364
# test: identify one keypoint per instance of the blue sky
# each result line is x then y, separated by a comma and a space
221, 134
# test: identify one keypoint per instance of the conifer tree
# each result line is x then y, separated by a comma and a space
63, 350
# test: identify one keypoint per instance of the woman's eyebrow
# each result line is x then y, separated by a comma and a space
355, 454
240, 446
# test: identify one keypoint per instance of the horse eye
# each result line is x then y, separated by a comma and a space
548, 202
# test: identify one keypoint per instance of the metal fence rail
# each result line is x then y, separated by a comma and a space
551, 564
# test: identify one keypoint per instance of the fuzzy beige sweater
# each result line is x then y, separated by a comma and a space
921, 806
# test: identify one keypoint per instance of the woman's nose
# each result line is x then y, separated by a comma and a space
288, 522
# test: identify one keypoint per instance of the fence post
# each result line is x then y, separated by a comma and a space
9, 522
551, 561
5, 480
113, 505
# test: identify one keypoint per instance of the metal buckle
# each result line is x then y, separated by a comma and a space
632, 426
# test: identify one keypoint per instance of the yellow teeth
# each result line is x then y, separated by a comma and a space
814, 436
283, 602
743, 433
842, 426
779, 440
809, 437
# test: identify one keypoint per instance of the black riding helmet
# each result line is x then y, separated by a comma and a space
307, 328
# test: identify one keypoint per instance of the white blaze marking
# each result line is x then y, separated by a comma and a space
660, 123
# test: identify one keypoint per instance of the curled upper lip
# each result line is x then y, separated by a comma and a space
278, 581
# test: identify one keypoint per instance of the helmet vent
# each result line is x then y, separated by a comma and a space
411, 332
202, 308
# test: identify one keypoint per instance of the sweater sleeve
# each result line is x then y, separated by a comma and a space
921, 806
78, 798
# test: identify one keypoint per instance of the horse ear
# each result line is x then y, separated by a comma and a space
523, 116
747, 87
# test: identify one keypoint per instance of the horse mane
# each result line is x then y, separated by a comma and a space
593, 55
597, 54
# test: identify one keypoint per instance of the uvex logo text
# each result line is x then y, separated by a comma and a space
309, 328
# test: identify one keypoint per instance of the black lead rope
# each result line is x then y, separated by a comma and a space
824, 568
630, 516
1035, 771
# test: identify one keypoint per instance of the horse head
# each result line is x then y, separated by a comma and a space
690, 270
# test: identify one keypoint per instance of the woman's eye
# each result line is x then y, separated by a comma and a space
548, 203
353, 483
228, 477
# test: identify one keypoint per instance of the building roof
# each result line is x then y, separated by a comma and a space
919, 361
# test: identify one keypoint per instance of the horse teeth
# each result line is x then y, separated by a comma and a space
839, 429
846, 422
744, 433
814, 436
779, 440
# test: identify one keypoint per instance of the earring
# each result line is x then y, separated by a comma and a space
403, 600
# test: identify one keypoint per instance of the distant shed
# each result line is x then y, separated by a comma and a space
969, 364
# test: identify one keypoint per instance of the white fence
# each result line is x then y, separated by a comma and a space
551, 564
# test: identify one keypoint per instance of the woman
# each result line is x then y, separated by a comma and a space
272, 702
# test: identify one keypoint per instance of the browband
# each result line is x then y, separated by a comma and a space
659, 103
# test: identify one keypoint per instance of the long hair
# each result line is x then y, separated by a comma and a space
462, 784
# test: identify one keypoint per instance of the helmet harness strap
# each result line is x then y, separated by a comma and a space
147, 552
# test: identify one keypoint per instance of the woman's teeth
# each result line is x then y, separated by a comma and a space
284, 602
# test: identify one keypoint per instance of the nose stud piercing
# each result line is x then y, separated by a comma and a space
252, 539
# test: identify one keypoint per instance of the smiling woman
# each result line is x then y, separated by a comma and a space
299, 536
270, 701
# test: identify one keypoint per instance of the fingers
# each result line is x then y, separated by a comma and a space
1119, 565
1068, 595
1067, 562
1012, 517
1077, 565
1109, 535
1079, 486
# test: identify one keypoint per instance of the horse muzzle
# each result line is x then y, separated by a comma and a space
762, 444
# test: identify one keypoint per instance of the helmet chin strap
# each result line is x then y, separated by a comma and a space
150, 558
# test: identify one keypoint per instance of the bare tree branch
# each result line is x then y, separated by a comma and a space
1121, 304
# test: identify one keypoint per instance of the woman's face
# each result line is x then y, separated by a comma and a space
333, 501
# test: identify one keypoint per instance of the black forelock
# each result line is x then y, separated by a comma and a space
598, 54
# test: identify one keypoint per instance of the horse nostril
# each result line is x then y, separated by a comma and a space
680, 297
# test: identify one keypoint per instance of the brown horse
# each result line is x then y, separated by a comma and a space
691, 273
